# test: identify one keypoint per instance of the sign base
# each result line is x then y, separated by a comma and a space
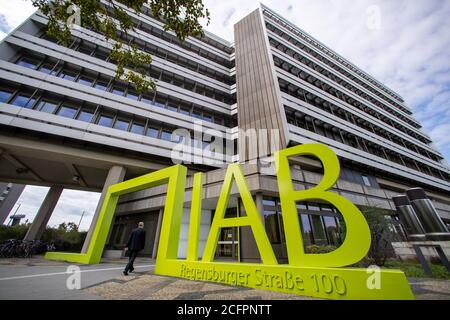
327, 283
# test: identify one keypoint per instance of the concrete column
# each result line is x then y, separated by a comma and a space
157, 233
260, 206
248, 248
10, 200
115, 175
39, 224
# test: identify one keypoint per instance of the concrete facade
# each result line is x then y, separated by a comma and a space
406, 251
65, 121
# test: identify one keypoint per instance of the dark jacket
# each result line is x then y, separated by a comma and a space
136, 241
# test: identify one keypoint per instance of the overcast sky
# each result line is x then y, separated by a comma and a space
404, 44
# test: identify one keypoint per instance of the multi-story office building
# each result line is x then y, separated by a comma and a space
67, 123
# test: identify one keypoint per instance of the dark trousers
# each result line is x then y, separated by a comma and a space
131, 258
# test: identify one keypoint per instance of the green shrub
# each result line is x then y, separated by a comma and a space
315, 249
66, 237
15, 232
415, 270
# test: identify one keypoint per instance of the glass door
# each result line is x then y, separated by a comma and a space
227, 245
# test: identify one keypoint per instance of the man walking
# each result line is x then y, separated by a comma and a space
135, 243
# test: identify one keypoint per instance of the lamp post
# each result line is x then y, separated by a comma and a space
79, 223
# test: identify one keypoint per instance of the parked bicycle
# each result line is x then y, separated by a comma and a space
13, 248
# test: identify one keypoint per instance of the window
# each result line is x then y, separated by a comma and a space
366, 181
313, 207
172, 107
45, 36
166, 77
179, 138
86, 49
269, 202
101, 85
207, 117
196, 114
195, 143
85, 116
152, 132
325, 207
189, 85
47, 68
67, 112
121, 125
272, 227
166, 135
331, 227
306, 230
68, 75
137, 128
5, 95
147, 100
105, 121
23, 101
119, 91
185, 111
160, 102
46, 106
132, 95
319, 230
28, 63
101, 54
86, 81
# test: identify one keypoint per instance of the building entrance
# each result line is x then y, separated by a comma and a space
123, 225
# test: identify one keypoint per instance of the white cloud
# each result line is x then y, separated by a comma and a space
13, 13
441, 134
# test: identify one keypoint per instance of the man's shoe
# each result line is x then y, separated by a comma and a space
125, 273
132, 269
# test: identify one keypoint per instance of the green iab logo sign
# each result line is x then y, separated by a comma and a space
316, 275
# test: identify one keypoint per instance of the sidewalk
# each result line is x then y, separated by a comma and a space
147, 286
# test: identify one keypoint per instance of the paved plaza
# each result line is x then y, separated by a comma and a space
41, 279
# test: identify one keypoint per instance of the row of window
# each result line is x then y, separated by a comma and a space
331, 108
102, 53
189, 64
337, 68
345, 98
317, 126
100, 115
103, 83
34, 62
183, 44
161, 34
203, 38
356, 177
335, 79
